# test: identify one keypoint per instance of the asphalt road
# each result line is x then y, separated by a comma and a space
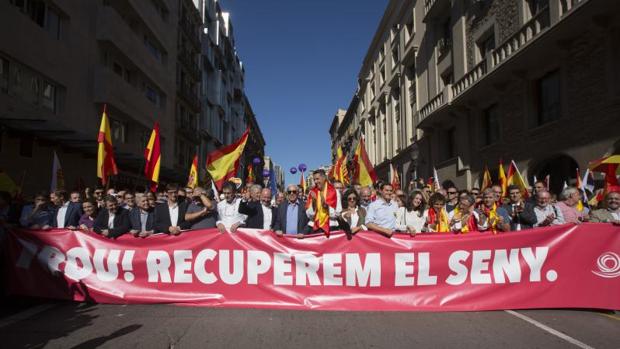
40, 324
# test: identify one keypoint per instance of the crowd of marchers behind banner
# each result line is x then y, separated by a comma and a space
328, 206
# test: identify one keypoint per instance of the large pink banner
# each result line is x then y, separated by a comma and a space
560, 267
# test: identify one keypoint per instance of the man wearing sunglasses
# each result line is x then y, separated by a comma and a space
291, 215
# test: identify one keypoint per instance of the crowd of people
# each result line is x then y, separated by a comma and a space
382, 209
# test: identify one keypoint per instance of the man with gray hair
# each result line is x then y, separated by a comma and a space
546, 213
569, 198
258, 209
291, 215
464, 218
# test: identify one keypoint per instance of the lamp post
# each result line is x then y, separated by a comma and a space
415, 153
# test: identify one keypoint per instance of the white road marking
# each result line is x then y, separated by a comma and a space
550, 330
26, 314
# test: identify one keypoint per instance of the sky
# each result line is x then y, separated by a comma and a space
301, 60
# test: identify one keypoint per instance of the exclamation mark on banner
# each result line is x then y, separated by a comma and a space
128, 265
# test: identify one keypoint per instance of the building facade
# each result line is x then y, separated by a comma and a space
457, 85
61, 62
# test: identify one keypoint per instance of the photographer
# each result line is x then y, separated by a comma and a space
202, 212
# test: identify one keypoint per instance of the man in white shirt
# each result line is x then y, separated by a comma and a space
546, 213
170, 216
67, 213
228, 210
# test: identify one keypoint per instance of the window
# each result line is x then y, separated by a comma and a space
449, 145
36, 11
152, 95
444, 44
4, 75
490, 125
548, 98
394, 56
48, 96
485, 46
409, 28
447, 78
53, 24
42, 14
152, 48
118, 130
382, 75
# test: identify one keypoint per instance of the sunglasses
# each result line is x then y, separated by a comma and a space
352, 198
292, 191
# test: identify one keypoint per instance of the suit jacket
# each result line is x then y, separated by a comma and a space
601, 216
121, 222
162, 221
72, 216
302, 218
527, 218
134, 219
254, 211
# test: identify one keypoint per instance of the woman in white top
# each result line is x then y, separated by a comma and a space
412, 217
352, 212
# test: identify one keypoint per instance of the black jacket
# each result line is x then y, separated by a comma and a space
162, 222
72, 217
527, 218
254, 211
121, 222
302, 218
134, 219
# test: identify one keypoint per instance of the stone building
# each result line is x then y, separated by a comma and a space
457, 85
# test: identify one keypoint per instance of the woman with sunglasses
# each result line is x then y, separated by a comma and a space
412, 217
352, 212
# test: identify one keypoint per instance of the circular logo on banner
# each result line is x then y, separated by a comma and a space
608, 265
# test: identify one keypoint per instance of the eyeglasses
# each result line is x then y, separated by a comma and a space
452, 192
291, 191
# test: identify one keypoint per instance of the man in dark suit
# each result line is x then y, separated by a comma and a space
291, 215
260, 213
170, 216
113, 221
66, 214
141, 218
521, 212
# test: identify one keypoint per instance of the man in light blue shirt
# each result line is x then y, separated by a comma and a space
381, 215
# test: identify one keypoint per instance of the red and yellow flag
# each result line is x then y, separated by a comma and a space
364, 172
192, 179
223, 163
250, 178
487, 182
302, 183
106, 166
325, 198
515, 178
502, 177
152, 155
340, 172
395, 180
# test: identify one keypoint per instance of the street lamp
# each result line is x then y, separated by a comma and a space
415, 153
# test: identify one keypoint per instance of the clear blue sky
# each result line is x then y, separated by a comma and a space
301, 59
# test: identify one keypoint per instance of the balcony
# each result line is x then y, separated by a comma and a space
475, 74
113, 30
185, 57
443, 98
112, 89
435, 9
191, 32
190, 98
530, 30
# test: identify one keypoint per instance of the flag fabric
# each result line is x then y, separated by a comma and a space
547, 182
364, 172
106, 166
215, 193
250, 177
302, 183
580, 187
192, 178
395, 180
326, 197
437, 183
339, 170
223, 163
515, 178
502, 177
152, 155
58, 178
487, 182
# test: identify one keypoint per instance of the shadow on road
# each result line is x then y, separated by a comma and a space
96, 342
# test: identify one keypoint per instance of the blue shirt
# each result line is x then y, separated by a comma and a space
382, 213
292, 213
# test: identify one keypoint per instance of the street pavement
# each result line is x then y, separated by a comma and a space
28, 323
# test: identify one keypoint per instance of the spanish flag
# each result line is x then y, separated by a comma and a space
192, 179
302, 183
223, 163
152, 155
515, 178
486, 179
106, 166
395, 180
250, 178
502, 177
364, 172
326, 197
340, 172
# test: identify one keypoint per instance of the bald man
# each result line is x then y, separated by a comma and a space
257, 206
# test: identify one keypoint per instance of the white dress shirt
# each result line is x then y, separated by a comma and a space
229, 213
405, 219
174, 214
111, 221
266, 217
62, 214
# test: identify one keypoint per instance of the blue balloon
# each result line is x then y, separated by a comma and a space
302, 167
256, 161
293, 170
265, 173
